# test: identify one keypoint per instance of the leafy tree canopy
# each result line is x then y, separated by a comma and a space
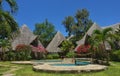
77, 25
8, 24
45, 32
67, 46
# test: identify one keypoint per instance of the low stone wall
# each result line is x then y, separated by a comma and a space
69, 69
22, 62
26, 62
68, 61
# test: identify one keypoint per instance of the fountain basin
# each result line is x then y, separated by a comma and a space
46, 67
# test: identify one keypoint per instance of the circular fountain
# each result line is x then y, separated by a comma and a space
69, 66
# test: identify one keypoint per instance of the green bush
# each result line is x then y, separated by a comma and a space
52, 56
49, 56
10, 55
70, 54
115, 55
66, 46
55, 56
23, 52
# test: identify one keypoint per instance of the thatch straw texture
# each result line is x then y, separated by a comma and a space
114, 26
25, 37
56, 41
89, 32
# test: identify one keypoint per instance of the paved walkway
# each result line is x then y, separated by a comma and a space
10, 72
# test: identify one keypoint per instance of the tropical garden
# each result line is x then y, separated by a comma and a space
78, 25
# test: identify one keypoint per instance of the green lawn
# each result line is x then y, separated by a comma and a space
113, 70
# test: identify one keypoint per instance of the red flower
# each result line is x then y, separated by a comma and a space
83, 49
20, 47
39, 48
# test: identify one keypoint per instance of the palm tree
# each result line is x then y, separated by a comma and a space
94, 49
12, 4
8, 25
5, 45
68, 23
7, 20
101, 37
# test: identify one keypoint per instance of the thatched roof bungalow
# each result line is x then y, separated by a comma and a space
114, 26
25, 37
89, 32
53, 46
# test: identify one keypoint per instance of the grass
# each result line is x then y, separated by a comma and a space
113, 70
4, 67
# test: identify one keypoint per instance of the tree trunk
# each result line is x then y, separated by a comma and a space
107, 54
3, 52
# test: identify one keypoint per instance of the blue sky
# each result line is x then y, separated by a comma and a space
103, 12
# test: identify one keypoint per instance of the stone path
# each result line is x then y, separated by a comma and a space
10, 72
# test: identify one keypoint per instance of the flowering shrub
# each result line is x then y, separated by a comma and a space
22, 47
23, 52
83, 49
38, 52
39, 48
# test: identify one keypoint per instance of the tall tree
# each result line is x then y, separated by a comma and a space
45, 32
68, 23
79, 26
8, 25
83, 21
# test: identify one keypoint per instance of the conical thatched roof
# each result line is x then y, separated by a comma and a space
70, 37
56, 41
89, 32
25, 37
114, 26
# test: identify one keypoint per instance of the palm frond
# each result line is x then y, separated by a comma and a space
110, 43
5, 16
97, 32
107, 30
13, 5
